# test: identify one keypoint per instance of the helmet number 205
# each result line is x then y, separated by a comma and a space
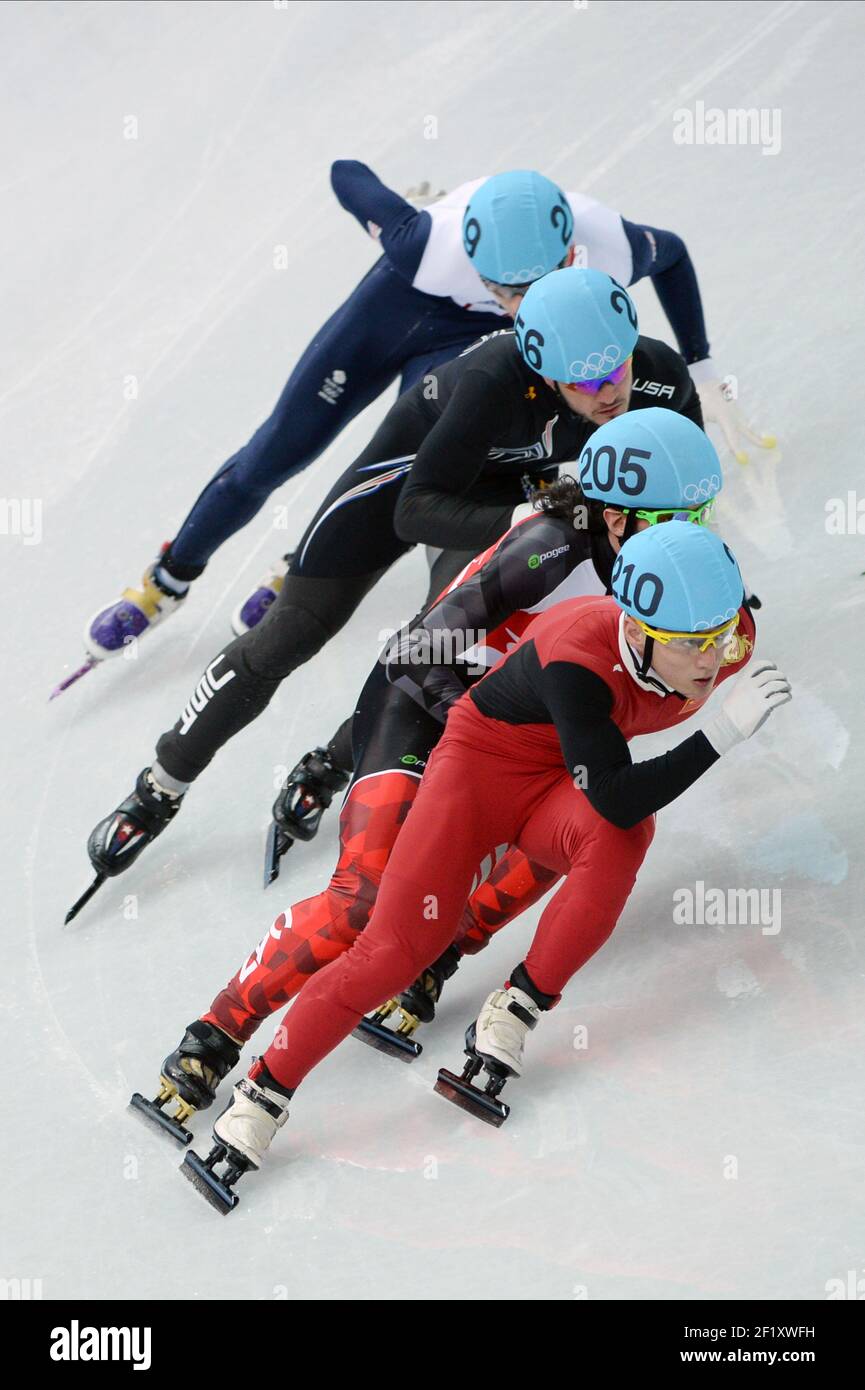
607, 469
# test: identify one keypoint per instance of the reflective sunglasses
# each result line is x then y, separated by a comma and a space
692, 642
591, 388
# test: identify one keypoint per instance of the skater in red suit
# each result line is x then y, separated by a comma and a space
566, 548
535, 755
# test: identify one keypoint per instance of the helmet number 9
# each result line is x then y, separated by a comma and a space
530, 345
561, 219
622, 304
471, 236
631, 476
645, 603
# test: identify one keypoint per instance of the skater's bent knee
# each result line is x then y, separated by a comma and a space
286, 638
375, 970
307, 614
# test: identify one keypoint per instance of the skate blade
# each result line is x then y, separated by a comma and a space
152, 1113
471, 1099
85, 898
205, 1181
277, 845
75, 676
387, 1041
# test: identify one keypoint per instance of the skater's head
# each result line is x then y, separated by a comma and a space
645, 468
577, 329
680, 590
689, 665
510, 297
517, 227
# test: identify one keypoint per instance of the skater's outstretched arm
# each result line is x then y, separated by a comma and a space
594, 748
663, 257
401, 230
676, 372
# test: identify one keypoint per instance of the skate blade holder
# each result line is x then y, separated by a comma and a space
152, 1111
278, 844
214, 1187
483, 1104
394, 1042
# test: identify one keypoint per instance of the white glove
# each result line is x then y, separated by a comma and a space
719, 408
758, 690
421, 196
521, 512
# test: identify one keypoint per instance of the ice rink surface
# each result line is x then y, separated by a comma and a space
708, 1142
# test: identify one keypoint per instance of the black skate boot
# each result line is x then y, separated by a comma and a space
297, 811
116, 842
416, 1005
190, 1076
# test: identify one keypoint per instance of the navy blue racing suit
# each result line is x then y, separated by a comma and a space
390, 327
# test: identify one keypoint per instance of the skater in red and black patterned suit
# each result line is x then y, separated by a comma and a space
536, 755
398, 720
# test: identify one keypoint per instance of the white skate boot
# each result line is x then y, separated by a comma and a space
507, 1016
250, 1121
242, 1135
495, 1044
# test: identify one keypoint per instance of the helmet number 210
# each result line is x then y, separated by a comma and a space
645, 603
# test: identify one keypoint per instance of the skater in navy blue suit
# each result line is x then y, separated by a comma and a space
434, 290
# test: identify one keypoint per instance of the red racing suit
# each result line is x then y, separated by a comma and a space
536, 756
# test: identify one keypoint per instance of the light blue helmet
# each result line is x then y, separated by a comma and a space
677, 578
651, 458
576, 325
517, 227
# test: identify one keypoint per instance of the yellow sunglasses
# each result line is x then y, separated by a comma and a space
692, 642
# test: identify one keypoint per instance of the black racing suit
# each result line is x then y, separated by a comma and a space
446, 468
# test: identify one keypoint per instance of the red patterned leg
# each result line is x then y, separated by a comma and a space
514, 884
314, 932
